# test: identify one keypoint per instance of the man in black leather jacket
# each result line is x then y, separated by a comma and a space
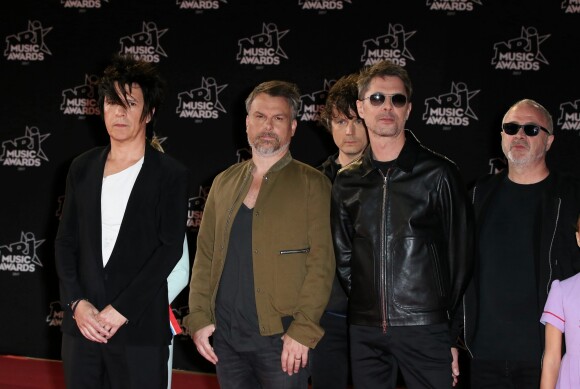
402, 230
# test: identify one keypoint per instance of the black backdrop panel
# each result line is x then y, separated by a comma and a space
469, 60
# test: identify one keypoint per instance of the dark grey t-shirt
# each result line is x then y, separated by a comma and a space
236, 314
508, 322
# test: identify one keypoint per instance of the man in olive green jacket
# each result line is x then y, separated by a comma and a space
264, 264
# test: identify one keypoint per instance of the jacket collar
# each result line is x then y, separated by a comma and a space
279, 165
150, 156
406, 159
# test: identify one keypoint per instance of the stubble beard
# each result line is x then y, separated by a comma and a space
267, 148
522, 160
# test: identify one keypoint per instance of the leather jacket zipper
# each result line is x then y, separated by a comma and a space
383, 258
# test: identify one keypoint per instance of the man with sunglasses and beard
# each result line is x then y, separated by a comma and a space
524, 241
264, 265
402, 230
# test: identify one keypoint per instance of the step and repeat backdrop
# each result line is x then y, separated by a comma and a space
469, 61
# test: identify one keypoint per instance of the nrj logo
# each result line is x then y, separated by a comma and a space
452, 5
144, 45
202, 102
522, 53
263, 48
59, 206
570, 115
392, 47
200, 4
496, 165
21, 256
81, 100
180, 313
82, 4
322, 5
571, 6
311, 105
55, 314
243, 154
450, 109
24, 151
195, 208
28, 45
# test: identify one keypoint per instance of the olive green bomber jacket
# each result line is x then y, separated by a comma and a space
293, 256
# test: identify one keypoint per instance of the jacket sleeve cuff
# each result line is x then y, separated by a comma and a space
307, 334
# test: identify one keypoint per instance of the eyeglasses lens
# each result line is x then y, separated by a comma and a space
378, 99
529, 129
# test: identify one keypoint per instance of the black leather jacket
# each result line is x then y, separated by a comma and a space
338, 302
403, 239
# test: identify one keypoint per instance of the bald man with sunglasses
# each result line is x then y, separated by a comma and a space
402, 231
525, 240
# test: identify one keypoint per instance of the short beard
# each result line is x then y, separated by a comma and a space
267, 149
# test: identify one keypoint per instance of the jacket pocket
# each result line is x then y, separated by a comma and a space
364, 294
290, 273
295, 251
416, 275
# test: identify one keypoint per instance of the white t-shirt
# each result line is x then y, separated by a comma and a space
114, 197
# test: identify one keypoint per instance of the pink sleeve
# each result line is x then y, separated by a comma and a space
554, 310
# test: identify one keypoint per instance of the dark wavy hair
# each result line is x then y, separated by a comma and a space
277, 88
383, 69
341, 97
124, 71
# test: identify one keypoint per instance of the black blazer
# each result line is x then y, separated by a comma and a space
148, 247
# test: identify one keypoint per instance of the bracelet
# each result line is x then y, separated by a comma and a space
74, 305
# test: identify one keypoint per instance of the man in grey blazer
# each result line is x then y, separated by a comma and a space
120, 236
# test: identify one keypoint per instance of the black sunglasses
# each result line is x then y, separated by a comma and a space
378, 99
529, 129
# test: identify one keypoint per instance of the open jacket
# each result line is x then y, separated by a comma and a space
149, 245
291, 245
557, 255
403, 239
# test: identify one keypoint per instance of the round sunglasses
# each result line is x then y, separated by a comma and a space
529, 129
378, 99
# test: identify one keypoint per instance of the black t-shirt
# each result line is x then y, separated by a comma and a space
236, 314
508, 322
384, 166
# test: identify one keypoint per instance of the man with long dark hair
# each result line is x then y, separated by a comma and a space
120, 236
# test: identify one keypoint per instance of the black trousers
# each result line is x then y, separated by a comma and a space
423, 354
494, 374
90, 365
261, 368
329, 361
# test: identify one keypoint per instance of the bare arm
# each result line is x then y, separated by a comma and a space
552, 357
